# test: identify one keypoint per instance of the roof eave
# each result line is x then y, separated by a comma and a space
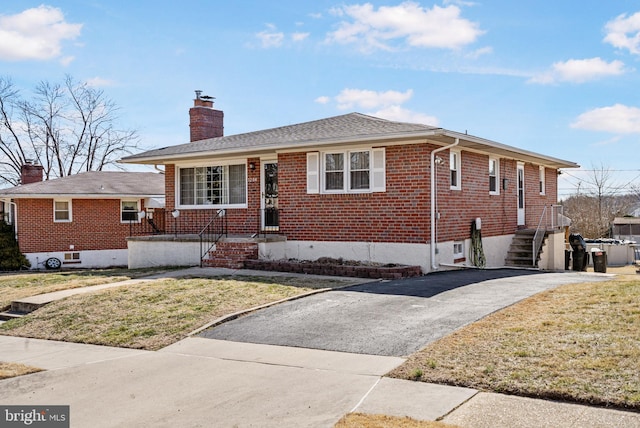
310, 144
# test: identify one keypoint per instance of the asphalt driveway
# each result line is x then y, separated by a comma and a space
392, 318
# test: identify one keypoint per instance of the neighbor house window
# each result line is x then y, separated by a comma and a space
493, 176
454, 167
542, 180
129, 211
348, 171
61, 211
213, 185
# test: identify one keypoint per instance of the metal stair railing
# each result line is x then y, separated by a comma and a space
212, 232
544, 225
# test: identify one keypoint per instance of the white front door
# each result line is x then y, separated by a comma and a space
520, 184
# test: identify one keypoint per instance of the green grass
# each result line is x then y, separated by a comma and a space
26, 284
577, 343
154, 314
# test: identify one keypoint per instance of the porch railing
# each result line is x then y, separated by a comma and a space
551, 219
215, 229
165, 222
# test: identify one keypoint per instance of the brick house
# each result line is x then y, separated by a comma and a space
357, 187
81, 220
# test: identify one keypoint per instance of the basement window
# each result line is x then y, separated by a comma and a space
458, 250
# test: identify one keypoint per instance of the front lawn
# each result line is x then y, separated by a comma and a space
15, 286
577, 343
155, 314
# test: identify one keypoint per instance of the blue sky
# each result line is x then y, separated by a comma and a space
555, 77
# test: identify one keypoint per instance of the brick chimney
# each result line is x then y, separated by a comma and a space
30, 172
204, 121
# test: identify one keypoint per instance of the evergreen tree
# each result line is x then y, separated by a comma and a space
10, 256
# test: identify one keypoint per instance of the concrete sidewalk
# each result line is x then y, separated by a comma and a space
205, 382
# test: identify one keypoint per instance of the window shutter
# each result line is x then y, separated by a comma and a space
313, 172
378, 174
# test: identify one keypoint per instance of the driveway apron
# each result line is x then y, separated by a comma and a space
393, 318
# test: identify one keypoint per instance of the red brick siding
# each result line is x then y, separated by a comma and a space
402, 213
239, 220
95, 225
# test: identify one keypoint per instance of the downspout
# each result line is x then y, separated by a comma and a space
434, 265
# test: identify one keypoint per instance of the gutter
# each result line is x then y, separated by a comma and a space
434, 265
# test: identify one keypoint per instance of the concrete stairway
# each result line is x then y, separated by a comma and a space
520, 252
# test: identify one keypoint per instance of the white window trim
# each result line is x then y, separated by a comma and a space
138, 204
226, 162
70, 206
497, 175
455, 162
543, 181
316, 171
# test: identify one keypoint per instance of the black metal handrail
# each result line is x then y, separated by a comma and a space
165, 222
215, 229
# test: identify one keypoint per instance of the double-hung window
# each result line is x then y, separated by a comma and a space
454, 169
542, 181
61, 211
494, 176
129, 211
346, 171
218, 185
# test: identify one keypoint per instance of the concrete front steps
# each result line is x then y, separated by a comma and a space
520, 252
20, 308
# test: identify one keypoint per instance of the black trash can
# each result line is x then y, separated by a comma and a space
599, 261
579, 260
567, 259
580, 255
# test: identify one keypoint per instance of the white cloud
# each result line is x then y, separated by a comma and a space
616, 119
579, 71
438, 27
35, 34
386, 105
400, 114
350, 98
298, 37
97, 82
270, 38
624, 32
479, 52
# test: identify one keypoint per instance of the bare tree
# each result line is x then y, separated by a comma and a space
67, 128
595, 206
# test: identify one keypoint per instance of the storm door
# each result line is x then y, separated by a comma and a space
269, 205
520, 184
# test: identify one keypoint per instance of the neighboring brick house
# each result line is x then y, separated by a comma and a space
359, 187
82, 220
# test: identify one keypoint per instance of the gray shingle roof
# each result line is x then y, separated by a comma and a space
93, 184
348, 127
352, 128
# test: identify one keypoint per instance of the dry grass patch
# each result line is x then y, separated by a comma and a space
15, 286
361, 420
154, 314
8, 370
578, 342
